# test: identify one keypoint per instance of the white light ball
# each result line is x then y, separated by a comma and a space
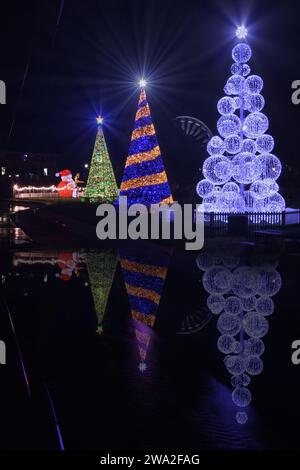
229, 324
265, 306
228, 125
233, 305
249, 303
215, 303
245, 70
273, 186
237, 347
233, 143
269, 283
249, 146
240, 380
245, 282
237, 102
225, 344
255, 125
236, 84
210, 203
231, 188
239, 205
204, 188
241, 417
254, 365
255, 325
226, 106
274, 203
253, 84
241, 53
223, 169
259, 189
204, 261
217, 169
241, 397
254, 347
228, 89
245, 169
216, 146
236, 69
270, 166
226, 202
235, 365
265, 143
217, 280
255, 103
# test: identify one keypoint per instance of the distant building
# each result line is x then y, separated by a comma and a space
28, 167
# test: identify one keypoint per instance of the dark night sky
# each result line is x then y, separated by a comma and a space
91, 63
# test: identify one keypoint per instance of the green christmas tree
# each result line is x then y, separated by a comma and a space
101, 185
101, 269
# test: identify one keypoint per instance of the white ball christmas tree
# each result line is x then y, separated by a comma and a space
240, 171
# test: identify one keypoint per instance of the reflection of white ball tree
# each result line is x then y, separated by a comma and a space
241, 296
229, 324
241, 396
241, 417
255, 325
242, 149
216, 303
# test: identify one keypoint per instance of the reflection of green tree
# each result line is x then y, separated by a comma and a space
101, 269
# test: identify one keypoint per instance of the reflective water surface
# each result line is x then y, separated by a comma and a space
149, 348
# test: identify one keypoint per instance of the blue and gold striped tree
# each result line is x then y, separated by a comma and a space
145, 180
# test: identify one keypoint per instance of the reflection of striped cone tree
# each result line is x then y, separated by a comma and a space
144, 277
145, 180
240, 294
101, 269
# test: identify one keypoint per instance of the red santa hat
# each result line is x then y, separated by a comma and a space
64, 173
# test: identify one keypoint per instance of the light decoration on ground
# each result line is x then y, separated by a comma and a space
101, 185
240, 296
241, 153
145, 180
144, 276
20, 189
101, 269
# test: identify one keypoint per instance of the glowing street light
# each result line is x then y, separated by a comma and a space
241, 32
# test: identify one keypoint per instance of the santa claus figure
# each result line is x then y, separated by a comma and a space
68, 264
67, 187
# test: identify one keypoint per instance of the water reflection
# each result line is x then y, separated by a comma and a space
10, 234
240, 288
101, 269
144, 276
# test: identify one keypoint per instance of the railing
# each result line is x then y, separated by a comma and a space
255, 219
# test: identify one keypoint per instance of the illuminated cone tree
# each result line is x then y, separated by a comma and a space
101, 185
145, 180
101, 269
240, 172
144, 277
